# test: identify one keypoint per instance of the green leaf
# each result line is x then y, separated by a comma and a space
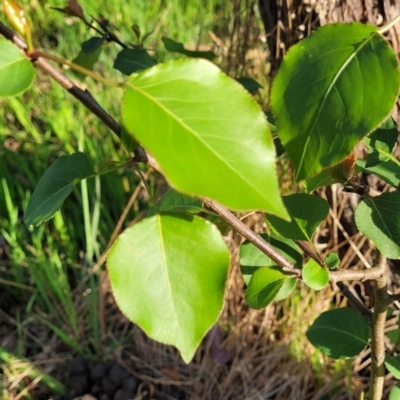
175, 202
382, 143
16, 70
251, 258
332, 260
324, 178
251, 85
55, 186
395, 392
286, 289
168, 275
393, 365
86, 60
207, 133
263, 287
307, 212
378, 218
132, 60
177, 47
388, 171
93, 44
332, 89
341, 333
314, 275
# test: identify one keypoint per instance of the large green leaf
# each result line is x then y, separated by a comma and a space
388, 171
208, 134
378, 218
332, 89
340, 333
55, 186
307, 212
175, 202
16, 70
168, 275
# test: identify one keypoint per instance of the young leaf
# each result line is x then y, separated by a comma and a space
168, 276
395, 392
175, 202
251, 258
91, 45
176, 47
332, 89
129, 61
378, 218
286, 289
207, 133
263, 287
388, 171
307, 212
251, 85
55, 186
16, 71
332, 260
382, 143
393, 365
314, 276
340, 333
86, 60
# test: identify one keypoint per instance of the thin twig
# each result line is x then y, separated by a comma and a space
370, 274
378, 331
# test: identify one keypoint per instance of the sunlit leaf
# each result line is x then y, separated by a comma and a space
341, 333
332, 89
378, 218
168, 275
307, 212
314, 275
208, 134
55, 186
16, 70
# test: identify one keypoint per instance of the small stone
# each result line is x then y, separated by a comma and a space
108, 385
78, 366
79, 383
130, 383
123, 394
99, 371
118, 374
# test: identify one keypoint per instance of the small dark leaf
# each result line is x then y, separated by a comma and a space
86, 60
177, 47
129, 61
341, 333
92, 44
251, 85
332, 260
136, 30
55, 186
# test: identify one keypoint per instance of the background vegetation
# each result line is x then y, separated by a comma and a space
55, 301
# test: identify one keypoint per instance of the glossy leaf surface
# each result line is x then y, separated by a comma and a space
340, 333
263, 287
314, 275
132, 60
332, 89
208, 134
168, 275
16, 71
378, 218
55, 186
307, 212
